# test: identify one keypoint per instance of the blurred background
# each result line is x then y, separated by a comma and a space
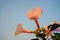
13, 12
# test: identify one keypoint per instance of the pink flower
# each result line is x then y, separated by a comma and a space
34, 13
20, 30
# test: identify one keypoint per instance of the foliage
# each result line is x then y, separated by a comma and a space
56, 36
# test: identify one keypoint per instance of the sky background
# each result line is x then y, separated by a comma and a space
13, 12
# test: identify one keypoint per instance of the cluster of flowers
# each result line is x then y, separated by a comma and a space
48, 32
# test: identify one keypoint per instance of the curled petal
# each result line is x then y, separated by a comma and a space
55, 22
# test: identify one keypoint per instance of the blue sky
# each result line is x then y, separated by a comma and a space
13, 12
